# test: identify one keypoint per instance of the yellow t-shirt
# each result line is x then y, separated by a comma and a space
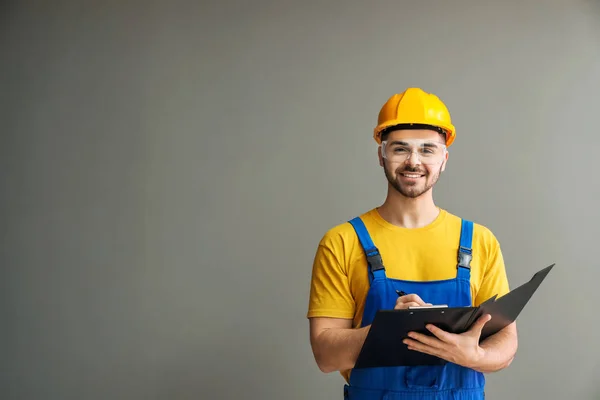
340, 282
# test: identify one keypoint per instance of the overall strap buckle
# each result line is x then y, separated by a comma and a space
464, 257
374, 260
465, 252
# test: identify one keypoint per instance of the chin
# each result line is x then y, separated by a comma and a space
413, 190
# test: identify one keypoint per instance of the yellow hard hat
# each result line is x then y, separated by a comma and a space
415, 108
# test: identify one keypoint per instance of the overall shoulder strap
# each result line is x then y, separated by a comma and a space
465, 251
374, 260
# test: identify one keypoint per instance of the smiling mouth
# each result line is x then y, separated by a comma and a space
411, 175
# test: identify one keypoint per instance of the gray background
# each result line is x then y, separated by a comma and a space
168, 169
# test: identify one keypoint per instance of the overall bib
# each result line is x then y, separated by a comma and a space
440, 382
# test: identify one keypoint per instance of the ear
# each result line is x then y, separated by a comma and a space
380, 156
445, 161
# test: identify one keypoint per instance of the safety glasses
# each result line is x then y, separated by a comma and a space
427, 152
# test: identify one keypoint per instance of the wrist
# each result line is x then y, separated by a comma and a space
478, 359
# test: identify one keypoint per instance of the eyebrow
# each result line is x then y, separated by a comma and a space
426, 144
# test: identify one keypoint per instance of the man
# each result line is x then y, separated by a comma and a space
430, 254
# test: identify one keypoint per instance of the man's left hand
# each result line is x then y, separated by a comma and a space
462, 349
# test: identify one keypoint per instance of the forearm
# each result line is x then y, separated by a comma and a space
498, 350
336, 349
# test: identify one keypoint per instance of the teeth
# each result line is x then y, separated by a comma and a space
411, 175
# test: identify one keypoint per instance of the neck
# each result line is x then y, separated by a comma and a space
407, 212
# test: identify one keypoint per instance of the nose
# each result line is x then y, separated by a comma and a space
413, 158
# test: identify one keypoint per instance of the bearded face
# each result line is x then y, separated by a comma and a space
413, 160
411, 180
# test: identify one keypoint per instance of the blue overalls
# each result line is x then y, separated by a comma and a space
440, 382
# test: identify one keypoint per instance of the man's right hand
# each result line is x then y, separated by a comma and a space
409, 300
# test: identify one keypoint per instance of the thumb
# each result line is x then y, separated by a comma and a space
480, 323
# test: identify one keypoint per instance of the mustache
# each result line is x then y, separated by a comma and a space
411, 170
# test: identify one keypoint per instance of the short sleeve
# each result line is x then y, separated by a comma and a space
494, 279
330, 294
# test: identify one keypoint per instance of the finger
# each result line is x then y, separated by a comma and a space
413, 297
423, 348
480, 323
441, 334
415, 337
402, 306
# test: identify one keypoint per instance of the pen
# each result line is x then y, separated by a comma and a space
400, 293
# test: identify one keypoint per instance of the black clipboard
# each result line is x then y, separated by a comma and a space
383, 346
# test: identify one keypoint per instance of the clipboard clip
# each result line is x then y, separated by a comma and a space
428, 307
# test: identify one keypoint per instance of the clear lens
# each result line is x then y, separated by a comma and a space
428, 152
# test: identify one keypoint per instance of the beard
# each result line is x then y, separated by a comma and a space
414, 189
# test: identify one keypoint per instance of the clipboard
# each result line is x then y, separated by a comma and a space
383, 346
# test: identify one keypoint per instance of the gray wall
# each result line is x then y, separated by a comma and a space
167, 171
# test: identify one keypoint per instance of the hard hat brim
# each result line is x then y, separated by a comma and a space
449, 130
